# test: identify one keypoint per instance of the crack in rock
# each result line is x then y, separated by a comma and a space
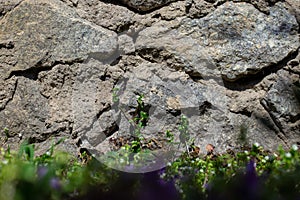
7, 92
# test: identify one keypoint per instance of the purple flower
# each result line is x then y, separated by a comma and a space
251, 167
162, 171
251, 181
251, 176
208, 186
153, 187
42, 171
55, 183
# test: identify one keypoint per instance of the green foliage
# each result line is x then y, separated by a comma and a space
115, 97
141, 117
183, 129
170, 136
184, 132
53, 175
26, 151
59, 175
275, 174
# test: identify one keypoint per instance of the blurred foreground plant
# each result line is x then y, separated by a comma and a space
53, 175
252, 173
249, 173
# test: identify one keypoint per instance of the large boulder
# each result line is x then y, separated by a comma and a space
82, 72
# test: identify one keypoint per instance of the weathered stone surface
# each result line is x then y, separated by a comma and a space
200, 8
90, 97
169, 93
294, 65
236, 39
146, 5
170, 12
126, 44
7, 90
262, 5
247, 104
74, 70
72, 3
7, 5
26, 117
113, 17
283, 105
41, 112
51, 32
294, 7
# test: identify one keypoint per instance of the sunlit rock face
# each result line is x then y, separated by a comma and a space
85, 71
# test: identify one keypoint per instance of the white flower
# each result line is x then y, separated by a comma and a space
256, 144
48, 153
229, 165
267, 157
201, 170
288, 155
295, 147
246, 152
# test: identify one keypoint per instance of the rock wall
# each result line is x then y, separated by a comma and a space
231, 67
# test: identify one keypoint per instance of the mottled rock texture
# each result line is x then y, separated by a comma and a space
74, 69
37, 34
7, 5
146, 5
236, 38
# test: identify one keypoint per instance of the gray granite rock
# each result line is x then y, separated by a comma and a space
7, 92
198, 9
74, 69
8, 5
168, 94
90, 97
235, 40
51, 32
283, 105
113, 17
294, 7
26, 118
